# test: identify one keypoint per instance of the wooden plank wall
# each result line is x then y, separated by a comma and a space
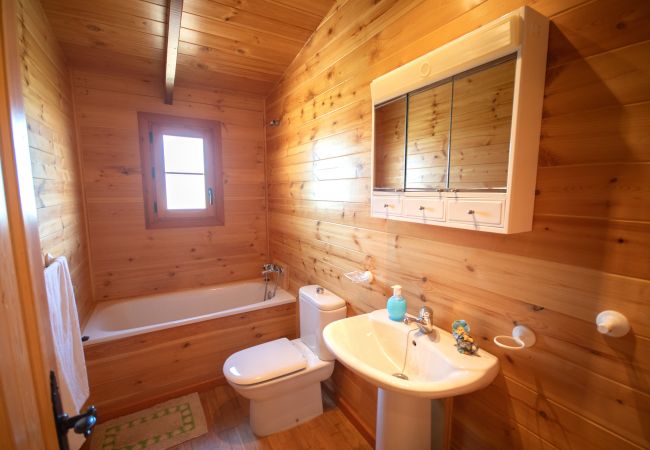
129, 260
589, 249
55, 165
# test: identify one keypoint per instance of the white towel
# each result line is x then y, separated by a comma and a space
66, 334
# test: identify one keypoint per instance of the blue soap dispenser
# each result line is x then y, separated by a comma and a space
396, 304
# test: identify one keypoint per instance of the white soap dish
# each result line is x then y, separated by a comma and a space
360, 277
522, 337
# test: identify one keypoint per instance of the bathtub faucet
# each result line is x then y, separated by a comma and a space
267, 270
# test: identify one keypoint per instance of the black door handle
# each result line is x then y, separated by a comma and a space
82, 423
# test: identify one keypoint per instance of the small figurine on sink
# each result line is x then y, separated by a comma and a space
464, 342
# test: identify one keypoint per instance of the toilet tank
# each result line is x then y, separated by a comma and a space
317, 309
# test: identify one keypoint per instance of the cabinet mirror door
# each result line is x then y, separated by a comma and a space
389, 135
480, 131
429, 112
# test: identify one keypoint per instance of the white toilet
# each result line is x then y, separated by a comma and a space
282, 378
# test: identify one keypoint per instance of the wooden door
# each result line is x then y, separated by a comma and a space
26, 351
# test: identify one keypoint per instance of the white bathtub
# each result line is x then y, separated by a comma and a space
121, 318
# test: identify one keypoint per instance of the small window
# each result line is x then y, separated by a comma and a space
181, 171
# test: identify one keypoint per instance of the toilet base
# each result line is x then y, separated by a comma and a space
286, 411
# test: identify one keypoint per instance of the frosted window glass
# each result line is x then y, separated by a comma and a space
183, 154
185, 191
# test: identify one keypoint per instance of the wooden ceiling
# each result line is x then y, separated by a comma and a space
229, 44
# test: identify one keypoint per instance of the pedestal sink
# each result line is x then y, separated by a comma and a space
375, 347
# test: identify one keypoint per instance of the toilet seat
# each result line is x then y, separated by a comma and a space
315, 372
264, 362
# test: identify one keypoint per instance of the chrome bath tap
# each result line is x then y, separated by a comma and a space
423, 321
267, 270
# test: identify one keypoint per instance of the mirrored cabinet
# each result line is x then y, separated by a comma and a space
456, 131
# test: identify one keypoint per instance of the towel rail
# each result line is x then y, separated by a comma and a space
48, 259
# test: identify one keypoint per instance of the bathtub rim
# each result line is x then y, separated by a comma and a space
130, 332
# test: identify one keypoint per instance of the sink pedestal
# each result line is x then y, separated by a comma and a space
408, 422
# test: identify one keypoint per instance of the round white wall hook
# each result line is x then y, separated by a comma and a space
522, 337
612, 323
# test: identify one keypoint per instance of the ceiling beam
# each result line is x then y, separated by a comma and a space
173, 35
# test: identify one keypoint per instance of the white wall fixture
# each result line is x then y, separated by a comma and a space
360, 277
522, 337
48, 259
612, 323
456, 131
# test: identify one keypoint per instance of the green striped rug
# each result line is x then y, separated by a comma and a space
157, 428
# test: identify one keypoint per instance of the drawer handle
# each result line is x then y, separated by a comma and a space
470, 211
422, 208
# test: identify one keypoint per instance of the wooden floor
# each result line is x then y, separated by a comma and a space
226, 414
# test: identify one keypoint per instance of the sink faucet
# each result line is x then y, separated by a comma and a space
423, 320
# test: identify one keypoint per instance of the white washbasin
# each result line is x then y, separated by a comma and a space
373, 346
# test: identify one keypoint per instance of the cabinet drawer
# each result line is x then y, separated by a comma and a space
383, 205
424, 208
479, 212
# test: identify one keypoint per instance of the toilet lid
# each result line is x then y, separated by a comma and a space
264, 362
